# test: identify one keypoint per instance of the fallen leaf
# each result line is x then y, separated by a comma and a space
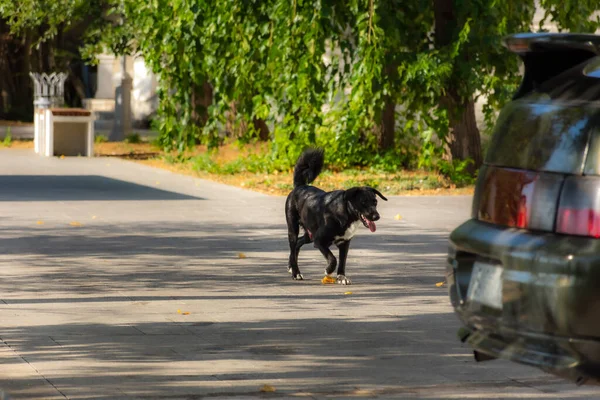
178, 311
241, 255
328, 280
398, 217
440, 284
348, 293
267, 389
40, 222
62, 157
75, 223
185, 313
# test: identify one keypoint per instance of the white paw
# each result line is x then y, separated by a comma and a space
289, 270
331, 275
342, 280
298, 277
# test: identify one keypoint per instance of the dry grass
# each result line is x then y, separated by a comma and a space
402, 183
18, 144
15, 123
412, 183
133, 151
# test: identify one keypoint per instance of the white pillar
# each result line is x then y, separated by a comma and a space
37, 125
105, 86
48, 134
90, 139
122, 125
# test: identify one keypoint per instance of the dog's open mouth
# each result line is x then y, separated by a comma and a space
368, 223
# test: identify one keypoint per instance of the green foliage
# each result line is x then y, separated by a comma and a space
7, 141
48, 16
133, 138
42, 36
317, 72
265, 60
572, 15
101, 139
205, 163
457, 171
252, 163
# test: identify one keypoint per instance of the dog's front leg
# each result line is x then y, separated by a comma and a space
331, 261
341, 275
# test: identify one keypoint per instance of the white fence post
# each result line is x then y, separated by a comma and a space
48, 91
65, 131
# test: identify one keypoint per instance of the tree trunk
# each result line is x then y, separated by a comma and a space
77, 84
386, 134
261, 127
201, 99
40, 58
464, 139
206, 100
445, 22
5, 70
21, 99
230, 128
51, 58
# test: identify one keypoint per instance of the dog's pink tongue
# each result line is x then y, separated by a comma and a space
372, 226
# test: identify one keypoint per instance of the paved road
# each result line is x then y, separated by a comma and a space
147, 296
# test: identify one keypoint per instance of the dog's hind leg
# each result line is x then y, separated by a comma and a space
305, 239
302, 240
293, 223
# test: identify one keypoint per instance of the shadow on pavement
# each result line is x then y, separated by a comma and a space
105, 300
324, 357
198, 256
78, 188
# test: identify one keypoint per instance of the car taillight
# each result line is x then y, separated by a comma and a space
517, 198
579, 207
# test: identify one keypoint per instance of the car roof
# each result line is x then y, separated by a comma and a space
522, 43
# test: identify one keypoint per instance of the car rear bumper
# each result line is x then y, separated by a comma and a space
548, 310
565, 357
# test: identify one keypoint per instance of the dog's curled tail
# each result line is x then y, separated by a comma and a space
308, 166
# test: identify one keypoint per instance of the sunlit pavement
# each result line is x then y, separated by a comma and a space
122, 281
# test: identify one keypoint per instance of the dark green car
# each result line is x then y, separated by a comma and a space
524, 271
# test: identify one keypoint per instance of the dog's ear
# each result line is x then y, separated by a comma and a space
378, 193
351, 193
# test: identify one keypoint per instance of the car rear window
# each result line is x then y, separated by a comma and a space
538, 134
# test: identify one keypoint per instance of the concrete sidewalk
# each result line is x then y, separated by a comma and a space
122, 281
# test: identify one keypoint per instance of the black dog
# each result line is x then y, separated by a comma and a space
326, 217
